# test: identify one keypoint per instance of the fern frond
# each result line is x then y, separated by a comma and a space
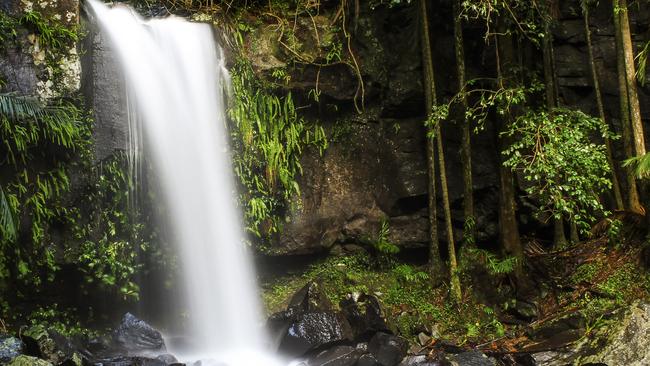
19, 108
640, 165
7, 221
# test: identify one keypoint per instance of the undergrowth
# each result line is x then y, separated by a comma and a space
410, 303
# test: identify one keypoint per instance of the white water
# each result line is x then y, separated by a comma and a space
176, 77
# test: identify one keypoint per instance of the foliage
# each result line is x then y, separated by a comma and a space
522, 17
488, 96
640, 165
65, 322
566, 172
642, 63
383, 246
31, 132
115, 236
492, 263
269, 138
51, 33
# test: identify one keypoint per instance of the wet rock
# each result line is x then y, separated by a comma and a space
130, 361
168, 359
422, 360
368, 360
525, 310
628, 343
388, 349
472, 358
364, 314
314, 330
10, 348
336, 356
135, 336
50, 345
310, 298
423, 339
24, 360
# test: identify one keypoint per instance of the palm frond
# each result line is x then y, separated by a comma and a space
640, 165
17, 108
7, 221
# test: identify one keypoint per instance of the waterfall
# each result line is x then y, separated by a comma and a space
176, 77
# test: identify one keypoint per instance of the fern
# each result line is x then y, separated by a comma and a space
642, 63
7, 221
493, 264
640, 165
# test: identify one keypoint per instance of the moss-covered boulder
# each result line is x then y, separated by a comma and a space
23, 360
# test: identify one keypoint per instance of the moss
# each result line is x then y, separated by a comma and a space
410, 303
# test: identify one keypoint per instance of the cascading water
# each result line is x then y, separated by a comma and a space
176, 76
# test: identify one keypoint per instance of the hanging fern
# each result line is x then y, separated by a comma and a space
640, 165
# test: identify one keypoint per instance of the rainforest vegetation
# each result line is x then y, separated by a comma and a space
479, 166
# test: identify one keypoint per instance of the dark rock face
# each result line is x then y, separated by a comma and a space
10, 347
135, 336
103, 88
388, 349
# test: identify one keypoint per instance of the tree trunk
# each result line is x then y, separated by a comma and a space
466, 146
628, 144
508, 228
559, 237
436, 267
630, 75
616, 186
453, 265
431, 91
575, 235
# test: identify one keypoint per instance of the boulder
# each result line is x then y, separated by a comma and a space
50, 345
471, 358
336, 356
135, 337
24, 360
388, 349
364, 314
624, 341
368, 360
310, 298
422, 360
315, 330
130, 361
10, 348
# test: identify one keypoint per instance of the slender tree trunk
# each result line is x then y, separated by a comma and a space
466, 142
628, 143
575, 233
559, 237
436, 267
509, 230
630, 74
453, 265
431, 89
616, 186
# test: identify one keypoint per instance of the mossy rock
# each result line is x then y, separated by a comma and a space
23, 360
